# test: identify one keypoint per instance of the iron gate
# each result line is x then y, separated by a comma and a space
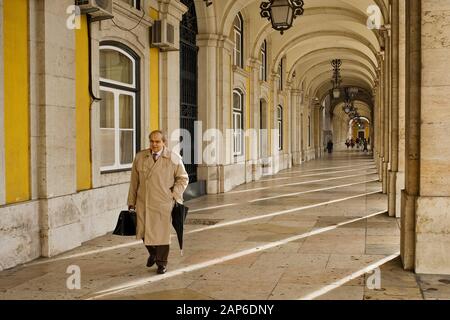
188, 81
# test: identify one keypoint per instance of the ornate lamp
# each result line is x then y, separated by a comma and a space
281, 13
336, 63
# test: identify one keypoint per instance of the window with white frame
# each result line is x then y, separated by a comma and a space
133, 3
309, 131
119, 106
280, 127
238, 41
280, 73
263, 75
238, 123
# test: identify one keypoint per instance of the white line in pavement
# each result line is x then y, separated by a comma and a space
215, 207
312, 191
322, 169
146, 280
219, 225
343, 281
314, 174
303, 182
281, 196
82, 254
274, 214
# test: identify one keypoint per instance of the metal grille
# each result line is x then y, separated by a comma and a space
188, 81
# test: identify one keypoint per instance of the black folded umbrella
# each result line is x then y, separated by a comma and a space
126, 224
179, 213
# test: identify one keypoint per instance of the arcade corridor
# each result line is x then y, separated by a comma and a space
312, 232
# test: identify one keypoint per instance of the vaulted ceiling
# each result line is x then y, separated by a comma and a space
329, 29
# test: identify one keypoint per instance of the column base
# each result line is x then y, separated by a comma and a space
392, 194
398, 195
432, 254
407, 234
385, 177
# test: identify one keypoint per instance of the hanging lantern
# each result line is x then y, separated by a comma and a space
336, 93
336, 64
281, 13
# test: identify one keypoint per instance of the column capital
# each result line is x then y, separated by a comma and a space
275, 76
386, 30
207, 40
172, 8
255, 63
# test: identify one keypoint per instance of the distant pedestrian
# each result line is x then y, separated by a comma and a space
330, 146
365, 146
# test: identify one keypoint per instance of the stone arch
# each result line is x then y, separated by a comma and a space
339, 13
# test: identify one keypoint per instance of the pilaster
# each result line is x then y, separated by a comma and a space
392, 194
52, 101
170, 74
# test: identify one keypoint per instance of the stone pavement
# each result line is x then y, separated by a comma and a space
318, 231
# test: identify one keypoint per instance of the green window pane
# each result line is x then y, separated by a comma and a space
116, 66
126, 112
126, 147
107, 147
106, 110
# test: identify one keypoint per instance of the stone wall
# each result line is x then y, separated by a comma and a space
433, 205
72, 220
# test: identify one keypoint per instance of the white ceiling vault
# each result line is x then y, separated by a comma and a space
328, 29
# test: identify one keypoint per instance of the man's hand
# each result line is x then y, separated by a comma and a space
131, 208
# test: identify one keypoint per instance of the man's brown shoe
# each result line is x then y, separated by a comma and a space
151, 261
161, 270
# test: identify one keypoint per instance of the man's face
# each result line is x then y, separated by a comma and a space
156, 143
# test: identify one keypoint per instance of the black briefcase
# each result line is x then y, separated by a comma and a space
126, 225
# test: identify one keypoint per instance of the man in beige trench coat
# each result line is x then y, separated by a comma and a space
158, 179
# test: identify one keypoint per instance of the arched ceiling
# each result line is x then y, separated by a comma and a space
328, 29
363, 109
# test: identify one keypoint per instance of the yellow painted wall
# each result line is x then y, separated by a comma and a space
83, 100
16, 79
154, 80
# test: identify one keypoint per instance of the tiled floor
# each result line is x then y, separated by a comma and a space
317, 231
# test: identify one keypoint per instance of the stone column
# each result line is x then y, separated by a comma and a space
412, 116
302, 131
381, 104
287, 124
214, 106
207, 113
402, 96
254, 170
320, 124
53, 136
374, 126
394, 109
386, 111
173, 12
316, 129
296, 126
432, 254
275, 78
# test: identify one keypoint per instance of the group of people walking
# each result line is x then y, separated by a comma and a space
360, 143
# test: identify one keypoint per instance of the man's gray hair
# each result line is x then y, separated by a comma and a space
163, 135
